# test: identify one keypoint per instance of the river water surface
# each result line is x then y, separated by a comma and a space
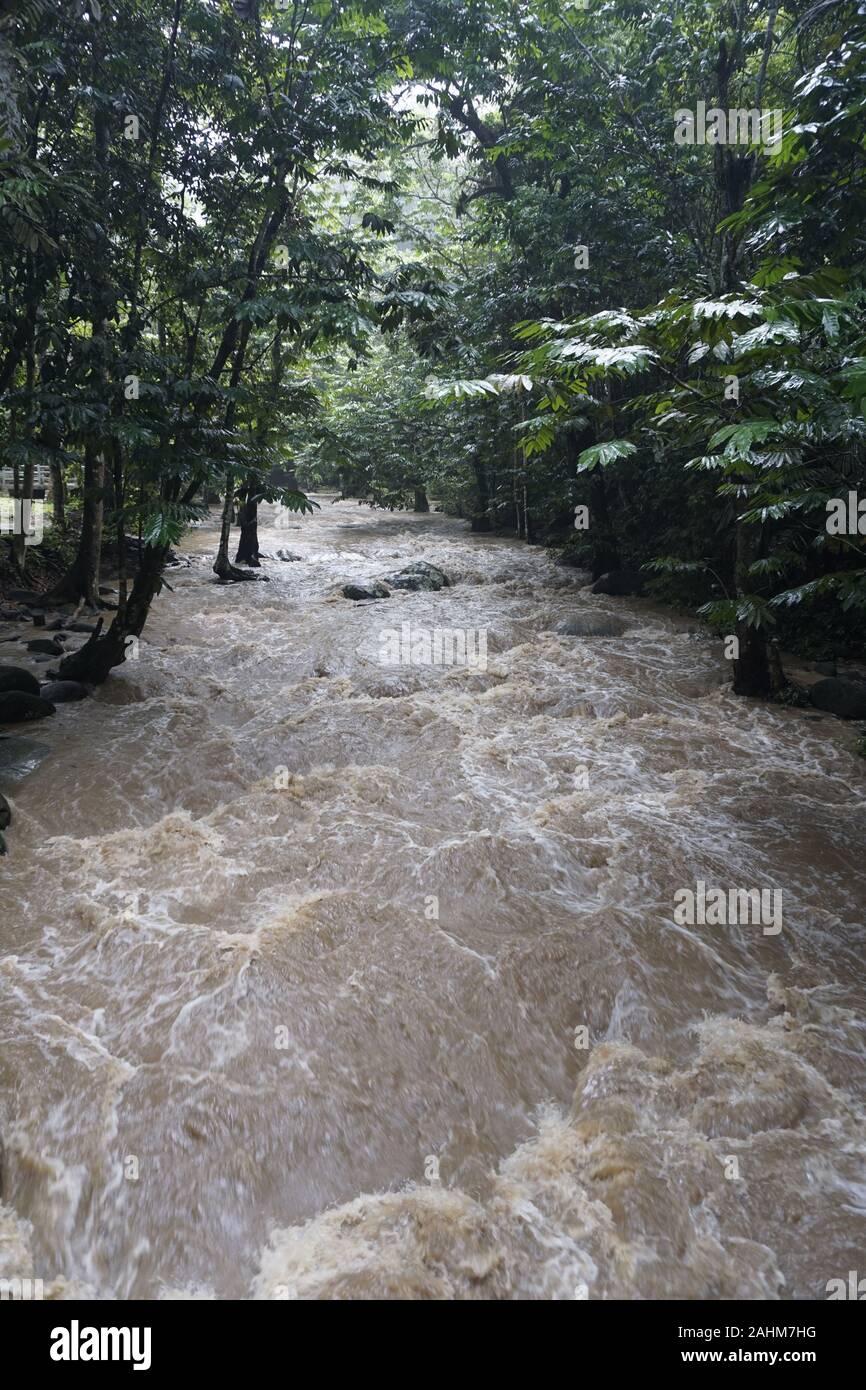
288, 932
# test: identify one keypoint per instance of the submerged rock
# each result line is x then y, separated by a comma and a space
20, 756
63, 692
620, 583
287, 556
47, 645
16, 678
371, 589
845, 698
409, 581
431, 571
591, 625
16, 706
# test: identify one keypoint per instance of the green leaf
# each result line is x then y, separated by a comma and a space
600, 455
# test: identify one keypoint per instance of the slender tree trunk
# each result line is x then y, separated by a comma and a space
222, 565
756, 672
224, 570
481, 514
19, 539
757, 669
120, 503
82, 579
58, 489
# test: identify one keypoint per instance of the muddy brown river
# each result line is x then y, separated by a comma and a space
328, 978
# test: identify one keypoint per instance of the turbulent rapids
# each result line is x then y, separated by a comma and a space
331, 978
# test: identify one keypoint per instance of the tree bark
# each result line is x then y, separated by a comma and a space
481, 512
94, 661
757, 669
248, 545
58, 489
605, 551
224, 570
82, 579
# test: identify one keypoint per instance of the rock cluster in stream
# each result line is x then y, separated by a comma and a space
23, 697
414, 577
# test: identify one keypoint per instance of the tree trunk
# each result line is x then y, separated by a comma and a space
223, 568
421, 503
757, 670
58, 494
103, 651
481, 512
81, 580
605, 551
19, 538
248, 545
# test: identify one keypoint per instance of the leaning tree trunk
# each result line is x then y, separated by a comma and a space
93, 662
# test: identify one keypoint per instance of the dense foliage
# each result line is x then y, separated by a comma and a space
450, 251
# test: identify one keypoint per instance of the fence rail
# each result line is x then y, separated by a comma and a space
41, 478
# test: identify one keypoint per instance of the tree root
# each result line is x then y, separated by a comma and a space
230, 574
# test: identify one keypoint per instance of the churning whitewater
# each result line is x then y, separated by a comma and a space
333, 978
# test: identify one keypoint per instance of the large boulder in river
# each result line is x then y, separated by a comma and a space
63, 692
591, 625
16, 706
419, 575
370, 589
845, 698
412, 582
16, 678
620, 583
430, 571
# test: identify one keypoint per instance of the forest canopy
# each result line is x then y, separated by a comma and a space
528, 261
